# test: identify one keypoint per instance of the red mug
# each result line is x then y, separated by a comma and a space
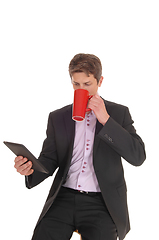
81, 97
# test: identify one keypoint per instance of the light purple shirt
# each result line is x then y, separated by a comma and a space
81, 175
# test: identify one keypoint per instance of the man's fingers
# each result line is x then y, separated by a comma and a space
19, 161
95, 101
18, 158
27, 171
22, 166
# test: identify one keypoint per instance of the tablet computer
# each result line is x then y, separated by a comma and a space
21, 150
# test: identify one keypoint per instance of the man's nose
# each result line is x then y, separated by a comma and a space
82, 87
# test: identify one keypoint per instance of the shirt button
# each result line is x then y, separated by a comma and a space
87, 148
85, 163
82, 170
87, 124
79, 185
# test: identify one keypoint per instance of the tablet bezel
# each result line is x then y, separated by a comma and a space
21, 150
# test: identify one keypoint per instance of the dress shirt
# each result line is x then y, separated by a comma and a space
81, 175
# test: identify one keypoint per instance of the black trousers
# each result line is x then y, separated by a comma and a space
72, 211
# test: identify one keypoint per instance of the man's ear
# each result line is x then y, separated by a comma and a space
100, 81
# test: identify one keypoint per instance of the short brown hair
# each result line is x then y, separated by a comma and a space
87, 63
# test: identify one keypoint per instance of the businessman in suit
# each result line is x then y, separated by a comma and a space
89, 192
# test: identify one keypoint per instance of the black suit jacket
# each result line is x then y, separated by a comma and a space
116, 139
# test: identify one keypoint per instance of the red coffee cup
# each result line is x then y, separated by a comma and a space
81, 97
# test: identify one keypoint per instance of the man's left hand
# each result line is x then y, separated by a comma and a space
96, 103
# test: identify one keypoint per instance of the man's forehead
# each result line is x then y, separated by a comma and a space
82, 76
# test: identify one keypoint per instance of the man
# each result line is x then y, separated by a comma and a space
89, 190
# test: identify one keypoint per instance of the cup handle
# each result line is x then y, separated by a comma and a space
89, 109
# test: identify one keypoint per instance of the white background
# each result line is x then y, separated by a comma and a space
37, 41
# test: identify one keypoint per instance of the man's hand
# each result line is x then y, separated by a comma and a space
96, 103
22, 167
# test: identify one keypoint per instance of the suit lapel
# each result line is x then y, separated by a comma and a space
69, 125
99, 126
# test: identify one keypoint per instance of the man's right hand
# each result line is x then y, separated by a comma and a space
22, 167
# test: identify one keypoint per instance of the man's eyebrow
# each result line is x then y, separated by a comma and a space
84, 82
75, 82
88, 82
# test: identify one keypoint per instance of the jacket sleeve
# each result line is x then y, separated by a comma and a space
48, 157
124, 140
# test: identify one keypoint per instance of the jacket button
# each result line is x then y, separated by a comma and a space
109, 138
